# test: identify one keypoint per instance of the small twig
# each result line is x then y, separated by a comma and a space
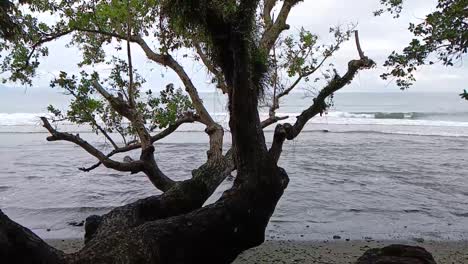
131, 92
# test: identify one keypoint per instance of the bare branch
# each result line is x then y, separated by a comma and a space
358, 45
49, 38
271, 120
187, 118
131, 92
133, 167
304, 75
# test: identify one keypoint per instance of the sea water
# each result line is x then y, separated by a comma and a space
380, 165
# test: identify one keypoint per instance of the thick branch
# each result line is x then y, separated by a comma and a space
272, 33
267, 7
319, 102
151, 169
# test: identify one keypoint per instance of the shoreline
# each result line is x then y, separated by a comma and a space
324, 252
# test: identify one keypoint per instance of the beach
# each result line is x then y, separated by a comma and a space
385, 166
320, 252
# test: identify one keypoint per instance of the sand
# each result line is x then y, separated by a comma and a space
320, 252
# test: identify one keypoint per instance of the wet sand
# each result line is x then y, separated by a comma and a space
321, 252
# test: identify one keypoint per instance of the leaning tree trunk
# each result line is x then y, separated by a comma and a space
182, 198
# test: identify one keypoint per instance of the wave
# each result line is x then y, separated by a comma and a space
23, 122
408, 133
441, 116
51, 210
18, 119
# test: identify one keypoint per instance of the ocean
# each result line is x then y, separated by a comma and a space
377, 165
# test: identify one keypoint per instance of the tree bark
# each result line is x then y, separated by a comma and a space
184, 197
19, 245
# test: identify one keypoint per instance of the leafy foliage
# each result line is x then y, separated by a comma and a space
93, 25
441, 38
168, 107
298, 57
87, 107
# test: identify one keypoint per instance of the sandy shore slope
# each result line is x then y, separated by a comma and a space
320, 252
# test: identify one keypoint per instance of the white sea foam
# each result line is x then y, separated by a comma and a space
336, 117
20, 119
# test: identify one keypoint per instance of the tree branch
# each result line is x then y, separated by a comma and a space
210, 66
288, 131
150, 167
133, 167
267, 7
213, 129
271, 120
165, 60
168, 60
272, 111
94, 122
131, 92
272, 33
187, 118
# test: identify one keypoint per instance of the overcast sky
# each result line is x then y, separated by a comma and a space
379, 37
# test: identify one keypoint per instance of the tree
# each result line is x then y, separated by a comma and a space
242, 46
441, 38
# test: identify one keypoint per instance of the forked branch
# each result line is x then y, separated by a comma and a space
187, 118
288, 131
278, 26
133, 167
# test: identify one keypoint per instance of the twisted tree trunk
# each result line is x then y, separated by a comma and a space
172, 227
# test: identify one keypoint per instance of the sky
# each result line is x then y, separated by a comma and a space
379, 37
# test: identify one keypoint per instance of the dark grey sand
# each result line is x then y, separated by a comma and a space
321, 252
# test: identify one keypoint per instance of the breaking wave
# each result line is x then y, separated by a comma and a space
30, 123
